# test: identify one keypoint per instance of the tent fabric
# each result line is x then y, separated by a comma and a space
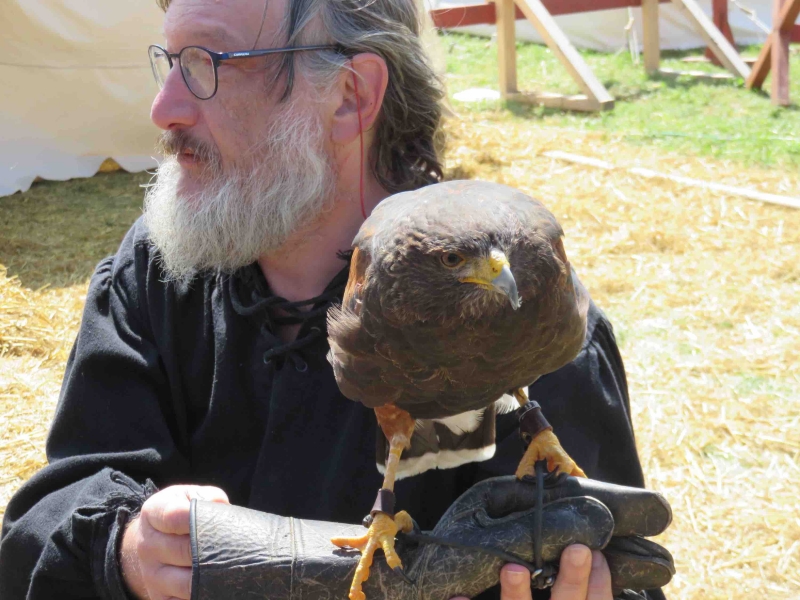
604, 30
76, 86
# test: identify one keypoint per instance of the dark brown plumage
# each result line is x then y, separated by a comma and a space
409, 332
459, 293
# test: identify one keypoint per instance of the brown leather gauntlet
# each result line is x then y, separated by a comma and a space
241, 553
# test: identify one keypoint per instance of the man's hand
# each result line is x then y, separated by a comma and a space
582, 575
156, 555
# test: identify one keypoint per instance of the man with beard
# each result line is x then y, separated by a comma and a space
201, 365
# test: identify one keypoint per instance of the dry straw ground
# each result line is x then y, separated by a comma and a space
703, 290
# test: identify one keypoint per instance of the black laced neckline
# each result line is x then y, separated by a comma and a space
264, 305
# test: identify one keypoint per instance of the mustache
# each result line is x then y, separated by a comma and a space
172, 143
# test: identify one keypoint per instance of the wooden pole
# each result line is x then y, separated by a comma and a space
652, 44
721, 47
719, 13
780, 58
782, 24
560, 45
506, 47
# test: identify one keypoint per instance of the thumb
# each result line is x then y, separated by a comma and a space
208, 493
167, 511
515, 583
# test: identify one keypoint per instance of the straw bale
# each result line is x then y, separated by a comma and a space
36, 331
702, 289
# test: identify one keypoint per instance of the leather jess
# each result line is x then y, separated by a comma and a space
242, 553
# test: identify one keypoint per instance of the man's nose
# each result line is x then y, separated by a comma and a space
175, 106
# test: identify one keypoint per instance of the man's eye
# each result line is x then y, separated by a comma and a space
451, 259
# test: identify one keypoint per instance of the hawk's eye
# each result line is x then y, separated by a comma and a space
452, 260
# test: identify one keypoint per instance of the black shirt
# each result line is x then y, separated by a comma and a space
168, 382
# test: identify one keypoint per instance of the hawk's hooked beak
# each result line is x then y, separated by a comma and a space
495, 273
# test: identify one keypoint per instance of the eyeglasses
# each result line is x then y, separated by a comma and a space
199, 65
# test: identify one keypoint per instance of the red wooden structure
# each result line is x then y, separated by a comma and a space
481, 14
775, 52
720, 15
489, 13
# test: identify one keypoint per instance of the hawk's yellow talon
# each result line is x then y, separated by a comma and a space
380, 535
546, 446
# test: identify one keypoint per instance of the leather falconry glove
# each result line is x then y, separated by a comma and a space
242, 553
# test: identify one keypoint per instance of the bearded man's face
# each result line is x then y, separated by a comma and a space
220, 217
242, 171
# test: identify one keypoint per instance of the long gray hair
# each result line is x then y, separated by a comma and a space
408, 137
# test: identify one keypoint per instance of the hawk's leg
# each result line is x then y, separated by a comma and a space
544, 444
398, 426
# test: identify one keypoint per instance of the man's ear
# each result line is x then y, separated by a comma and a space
361, 88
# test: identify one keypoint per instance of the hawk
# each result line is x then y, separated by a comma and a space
459, 296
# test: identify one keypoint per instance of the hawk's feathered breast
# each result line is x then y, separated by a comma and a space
410, 332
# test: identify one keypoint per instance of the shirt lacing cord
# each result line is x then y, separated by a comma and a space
265, 309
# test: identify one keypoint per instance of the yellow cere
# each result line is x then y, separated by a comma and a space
484, 271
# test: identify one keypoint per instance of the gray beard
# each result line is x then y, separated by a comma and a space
247, 213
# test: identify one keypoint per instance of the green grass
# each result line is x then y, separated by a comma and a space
55, 233
718, 119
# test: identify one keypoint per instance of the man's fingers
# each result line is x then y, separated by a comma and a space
167, 549
515, 583
572, 581
171, 582
600, 578
168, 510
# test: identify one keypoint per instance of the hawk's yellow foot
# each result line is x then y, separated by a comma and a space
380, 535
545, 446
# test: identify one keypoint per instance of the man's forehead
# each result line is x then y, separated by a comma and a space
224, 24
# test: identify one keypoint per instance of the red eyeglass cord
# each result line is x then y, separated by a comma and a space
361, 146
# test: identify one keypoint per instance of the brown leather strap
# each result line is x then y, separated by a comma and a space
531, 421
383, 503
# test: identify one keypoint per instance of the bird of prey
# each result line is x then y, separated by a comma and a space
459, 296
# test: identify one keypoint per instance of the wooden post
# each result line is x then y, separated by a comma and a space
719, 14
721, 47
506, 47
782, 24
652, 44
780, 58
560, 45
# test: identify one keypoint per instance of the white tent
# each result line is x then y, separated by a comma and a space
76, 86
605, 29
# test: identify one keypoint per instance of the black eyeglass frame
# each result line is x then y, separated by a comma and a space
219, 57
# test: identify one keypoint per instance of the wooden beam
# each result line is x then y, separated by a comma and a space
721, 47
719, 14
571, 7
484, 14
697, 75
461, 16
563, 49
652, 44
579, 102
748, 193
785, 22
506, 47
760, 70
779, 65
786, 17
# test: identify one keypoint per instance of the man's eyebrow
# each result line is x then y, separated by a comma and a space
215, 37
218, 34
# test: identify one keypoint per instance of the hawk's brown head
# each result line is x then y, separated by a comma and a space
462, 249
